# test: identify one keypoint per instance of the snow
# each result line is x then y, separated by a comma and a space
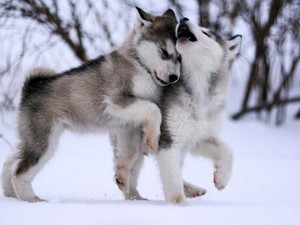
78, 183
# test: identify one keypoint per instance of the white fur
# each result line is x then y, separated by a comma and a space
151, 58
195, 122
170, 172
144, 87
145, 113
8, 188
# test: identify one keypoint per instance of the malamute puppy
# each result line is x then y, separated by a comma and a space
119, 90
192, 111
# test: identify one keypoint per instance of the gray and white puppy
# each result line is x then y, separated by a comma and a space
118, 91
192, 112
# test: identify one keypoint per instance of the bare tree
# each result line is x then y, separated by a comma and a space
75, 30
65, 21
272, 24
270, 36
37, 26
85, 29
274, 28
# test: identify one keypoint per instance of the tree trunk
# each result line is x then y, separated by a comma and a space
204, 19
297, 116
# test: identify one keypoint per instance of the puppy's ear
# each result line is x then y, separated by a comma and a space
234, 45
144, 17
170, 13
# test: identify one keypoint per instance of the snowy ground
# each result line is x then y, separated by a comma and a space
78, 183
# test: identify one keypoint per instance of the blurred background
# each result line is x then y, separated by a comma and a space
262, 125
265, 78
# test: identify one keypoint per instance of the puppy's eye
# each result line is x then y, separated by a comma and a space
206, 34
164, 53
179, 58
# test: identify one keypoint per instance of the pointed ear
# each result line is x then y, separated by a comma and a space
144, 17
169, 13
234, 45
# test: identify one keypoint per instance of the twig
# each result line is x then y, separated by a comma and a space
267, 106
6, 141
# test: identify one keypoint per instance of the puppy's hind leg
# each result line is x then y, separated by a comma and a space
192, 191
35, 150
7, 184
222, 156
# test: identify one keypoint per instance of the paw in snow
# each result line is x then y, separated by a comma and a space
222, 176
192, 191
122, 183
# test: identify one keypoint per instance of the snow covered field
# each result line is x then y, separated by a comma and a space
78, 183
79, 186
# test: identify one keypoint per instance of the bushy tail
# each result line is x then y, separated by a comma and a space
37, 78
42, 72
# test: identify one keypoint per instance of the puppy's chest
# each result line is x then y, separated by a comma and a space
144, 87
203, 117
198, 115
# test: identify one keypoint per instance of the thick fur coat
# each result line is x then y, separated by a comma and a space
118, 91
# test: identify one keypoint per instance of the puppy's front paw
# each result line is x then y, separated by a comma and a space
151, 131
221, 177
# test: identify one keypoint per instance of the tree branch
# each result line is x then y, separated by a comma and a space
6, 141
267, 106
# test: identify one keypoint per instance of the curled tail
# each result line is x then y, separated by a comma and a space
37, 79
42, 72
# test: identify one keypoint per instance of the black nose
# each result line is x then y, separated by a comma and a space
184, 19
173, 78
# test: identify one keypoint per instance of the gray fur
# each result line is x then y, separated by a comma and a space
102, 94
192, 112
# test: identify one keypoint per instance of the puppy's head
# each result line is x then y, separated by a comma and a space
155, 46
203, 48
